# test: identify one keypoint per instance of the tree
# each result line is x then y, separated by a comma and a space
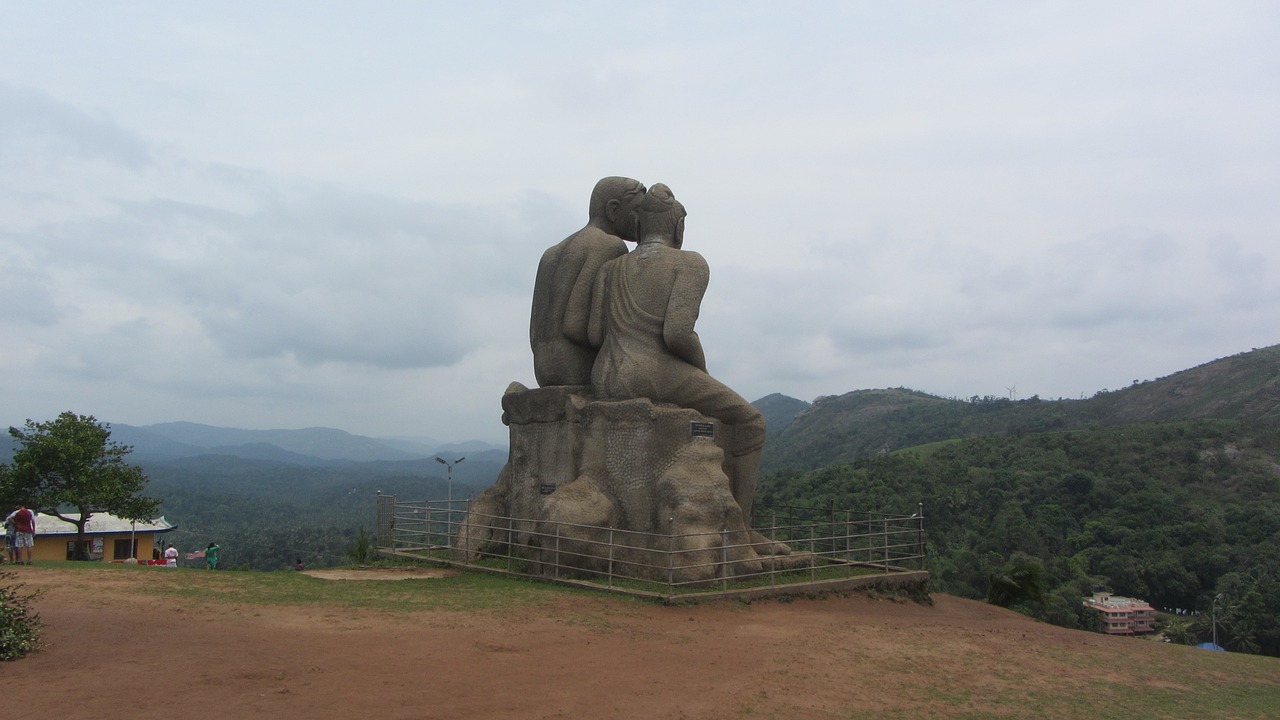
70, 468
8, 494
1020, 581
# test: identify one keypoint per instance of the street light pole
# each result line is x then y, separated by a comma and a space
450, 465
1213, 619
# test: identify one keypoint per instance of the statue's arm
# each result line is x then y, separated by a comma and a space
577, 314
539, 309
687, 289
595, 320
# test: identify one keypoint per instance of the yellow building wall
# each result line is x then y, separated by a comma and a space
54, 547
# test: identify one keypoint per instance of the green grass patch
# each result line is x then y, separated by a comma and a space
462, 591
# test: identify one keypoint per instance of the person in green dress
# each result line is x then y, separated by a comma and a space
211, 555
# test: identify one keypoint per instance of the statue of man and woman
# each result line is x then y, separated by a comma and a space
622, 322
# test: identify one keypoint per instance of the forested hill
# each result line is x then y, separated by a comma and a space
866, 423
779, 411
1176, 513
270, 497
267, 513
1167, 490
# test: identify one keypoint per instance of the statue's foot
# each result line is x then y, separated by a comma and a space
765, 546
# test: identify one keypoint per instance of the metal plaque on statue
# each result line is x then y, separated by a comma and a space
702, 429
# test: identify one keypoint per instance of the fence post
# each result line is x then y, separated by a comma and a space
557, 555
920, 533
385, 537
773, 560
831, 526
671, 578
511, 541
724, 559
813, 558
871, 540
884, 540
610, 575
432, 516
848, 537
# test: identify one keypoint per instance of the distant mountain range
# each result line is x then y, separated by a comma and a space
185, 449
271, 496
864, 423
833, 428
307, 446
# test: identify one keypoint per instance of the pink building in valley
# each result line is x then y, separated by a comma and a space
1122, 615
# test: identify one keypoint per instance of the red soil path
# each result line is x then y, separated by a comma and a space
117, 652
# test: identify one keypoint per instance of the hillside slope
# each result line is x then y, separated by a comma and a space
1240, 387
779, 411
865, 423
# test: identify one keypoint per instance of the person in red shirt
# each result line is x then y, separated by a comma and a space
24, 525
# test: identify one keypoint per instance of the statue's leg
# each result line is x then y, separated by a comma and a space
744, 473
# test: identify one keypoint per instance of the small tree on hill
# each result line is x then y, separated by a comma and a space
70, 468
1019, 582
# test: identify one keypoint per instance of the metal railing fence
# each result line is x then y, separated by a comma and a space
825, 544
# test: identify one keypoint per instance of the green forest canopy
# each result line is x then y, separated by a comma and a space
1173, 513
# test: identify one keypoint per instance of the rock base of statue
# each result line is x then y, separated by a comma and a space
627, 487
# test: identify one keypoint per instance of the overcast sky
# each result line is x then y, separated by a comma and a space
284, 215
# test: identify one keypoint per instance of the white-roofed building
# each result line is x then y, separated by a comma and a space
108, 537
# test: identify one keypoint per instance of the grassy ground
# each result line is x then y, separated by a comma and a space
458, 592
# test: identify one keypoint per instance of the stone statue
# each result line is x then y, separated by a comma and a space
628, 454
644, 307
562, 354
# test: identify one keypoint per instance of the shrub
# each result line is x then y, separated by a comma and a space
19, 624
362, 552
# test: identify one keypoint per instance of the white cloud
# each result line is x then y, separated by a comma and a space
304, 215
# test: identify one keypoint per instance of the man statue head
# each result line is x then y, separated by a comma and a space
613, 206
661, 217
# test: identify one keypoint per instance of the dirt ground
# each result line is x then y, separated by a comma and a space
118, 652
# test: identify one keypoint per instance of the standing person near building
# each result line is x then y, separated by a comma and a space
171, 557
211, 555
10, 548
24, 533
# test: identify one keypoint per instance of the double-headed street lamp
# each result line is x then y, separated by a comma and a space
450, 465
